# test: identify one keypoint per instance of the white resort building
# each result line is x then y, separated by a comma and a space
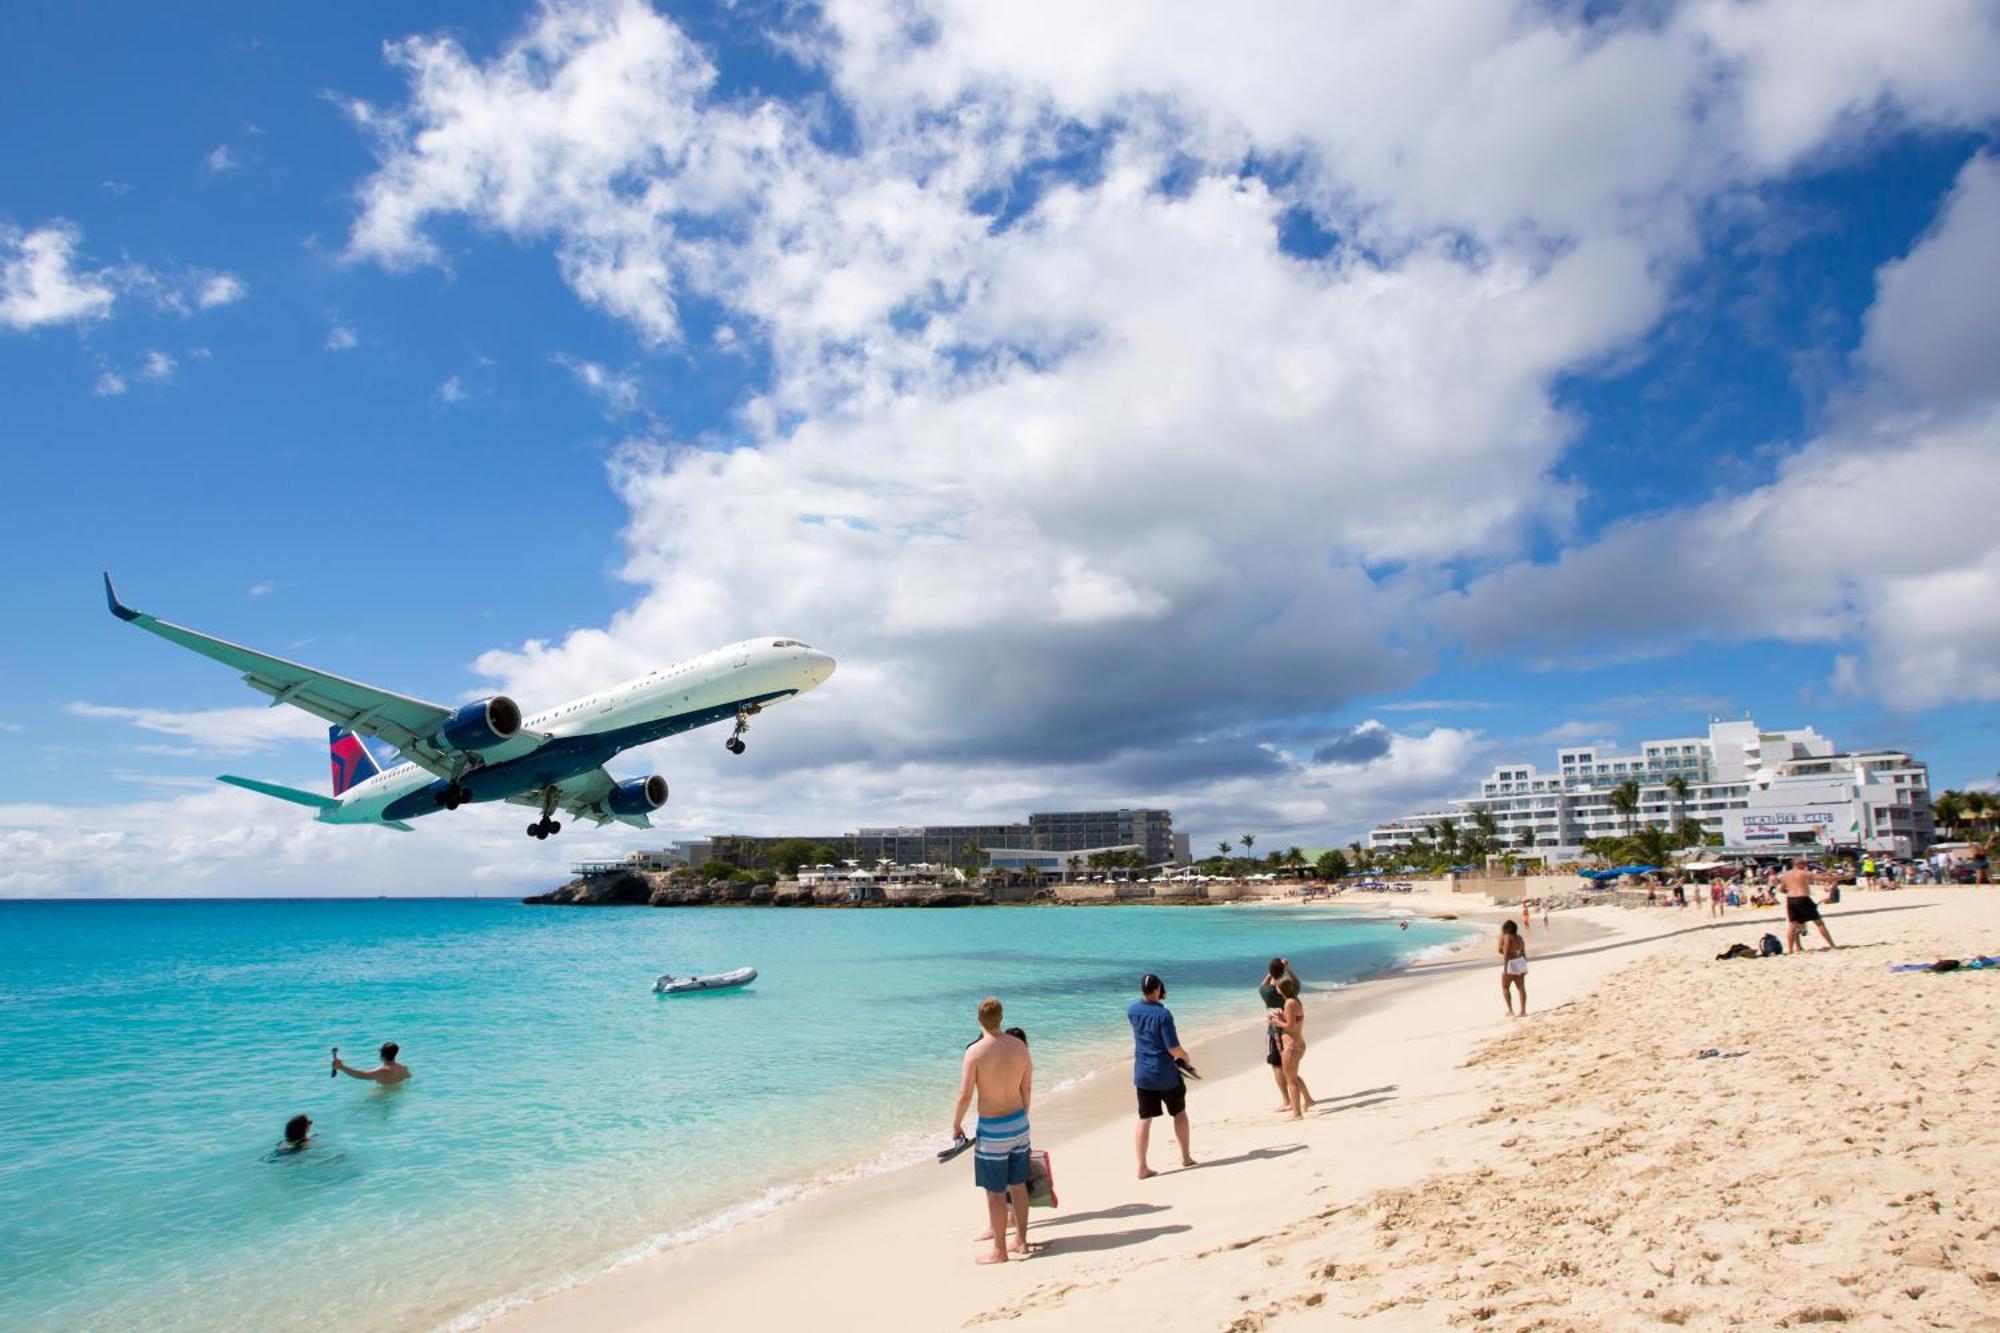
1758, 790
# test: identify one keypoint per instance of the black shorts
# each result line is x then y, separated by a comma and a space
1801, 911
1151, 1100
1274, 1049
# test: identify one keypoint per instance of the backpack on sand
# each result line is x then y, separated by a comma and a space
1770, 946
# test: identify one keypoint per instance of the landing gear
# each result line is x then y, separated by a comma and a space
546, 825
743, 715
455, 792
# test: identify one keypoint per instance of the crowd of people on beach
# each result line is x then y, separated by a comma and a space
997, 1082
1790, 885
998, 1074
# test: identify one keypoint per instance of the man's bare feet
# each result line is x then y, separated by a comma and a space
1296, 1115
1147, 1173
1020, 1247
992, 1257
1189, 1161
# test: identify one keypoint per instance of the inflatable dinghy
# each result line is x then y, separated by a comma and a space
669, 984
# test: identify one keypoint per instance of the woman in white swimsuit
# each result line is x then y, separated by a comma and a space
1513, 967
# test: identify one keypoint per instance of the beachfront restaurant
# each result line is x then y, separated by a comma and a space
1055, 865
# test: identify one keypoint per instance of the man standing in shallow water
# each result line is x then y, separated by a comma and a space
390, 1072
997, 1067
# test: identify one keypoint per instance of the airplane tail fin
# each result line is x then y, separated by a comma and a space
292, 794
311, 799
354, 759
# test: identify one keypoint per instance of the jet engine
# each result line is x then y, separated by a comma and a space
481, 725
640, 796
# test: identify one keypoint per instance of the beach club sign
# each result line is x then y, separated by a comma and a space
1780, 825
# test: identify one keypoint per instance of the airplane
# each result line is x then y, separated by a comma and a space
395, 758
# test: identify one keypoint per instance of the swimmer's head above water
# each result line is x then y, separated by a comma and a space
296, 1130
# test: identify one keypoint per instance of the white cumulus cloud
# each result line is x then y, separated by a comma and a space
618, 392
1933, 329
220, 289
40, 283
243, 730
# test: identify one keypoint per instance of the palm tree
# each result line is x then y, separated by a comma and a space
1248, 840
1445, 834
1678, 785
1525, 839
1651, 845
1980, 809
1947, 810
1602, 848
970, 853
1690, 833
1624, 800
1224, 848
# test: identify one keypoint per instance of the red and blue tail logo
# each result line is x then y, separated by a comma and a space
353, 761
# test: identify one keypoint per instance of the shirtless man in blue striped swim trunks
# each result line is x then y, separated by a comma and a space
998, 1069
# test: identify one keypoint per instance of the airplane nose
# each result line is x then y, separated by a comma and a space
818, 667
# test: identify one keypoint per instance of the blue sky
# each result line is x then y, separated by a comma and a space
1136, 413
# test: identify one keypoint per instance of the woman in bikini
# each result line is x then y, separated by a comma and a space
1291, 1026
1513, 967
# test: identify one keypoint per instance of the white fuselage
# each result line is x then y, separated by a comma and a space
752, 669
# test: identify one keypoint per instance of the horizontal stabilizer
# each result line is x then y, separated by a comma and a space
292, 794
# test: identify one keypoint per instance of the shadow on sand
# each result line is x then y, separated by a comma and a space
1254, 1155
1108, 1240
1322, 1108
1119, 1213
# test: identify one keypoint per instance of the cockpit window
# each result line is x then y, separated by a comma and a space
786, 643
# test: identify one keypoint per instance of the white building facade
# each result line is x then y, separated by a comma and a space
1755, 789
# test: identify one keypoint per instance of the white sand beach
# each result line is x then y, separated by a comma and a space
1580, 1169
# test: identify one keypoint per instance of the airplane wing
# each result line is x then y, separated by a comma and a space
411, 725
583, 796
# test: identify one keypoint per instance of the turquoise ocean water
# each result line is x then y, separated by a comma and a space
561, 1116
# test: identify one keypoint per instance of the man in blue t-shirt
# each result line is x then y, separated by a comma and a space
1156, 1068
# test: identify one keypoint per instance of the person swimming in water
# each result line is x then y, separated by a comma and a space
389, 1073
298, 1133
